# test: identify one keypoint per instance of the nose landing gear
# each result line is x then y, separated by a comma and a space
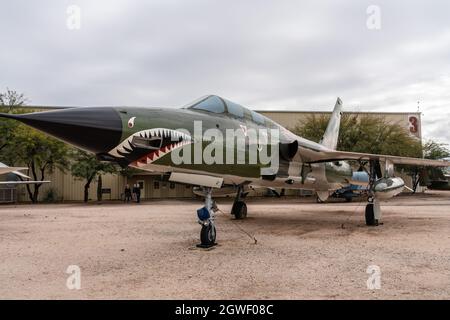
206, 217
373, 209
208, 235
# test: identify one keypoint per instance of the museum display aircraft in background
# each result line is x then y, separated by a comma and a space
214, 143
441, 179
15, 171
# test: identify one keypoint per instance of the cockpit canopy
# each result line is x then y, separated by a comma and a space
218, 105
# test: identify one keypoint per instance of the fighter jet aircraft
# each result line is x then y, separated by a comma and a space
215, 143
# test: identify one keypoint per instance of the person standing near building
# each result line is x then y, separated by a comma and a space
127, 193
134, 192
137, 192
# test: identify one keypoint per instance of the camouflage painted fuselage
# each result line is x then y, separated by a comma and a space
147, 138
139, 124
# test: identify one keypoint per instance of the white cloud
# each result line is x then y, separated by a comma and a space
264, 54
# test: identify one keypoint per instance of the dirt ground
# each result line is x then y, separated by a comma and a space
304, 251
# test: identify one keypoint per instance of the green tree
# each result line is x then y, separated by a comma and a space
7, 128
363, 133
10, 101
435, 150
129, 172
39, 152
87, 167
21, 145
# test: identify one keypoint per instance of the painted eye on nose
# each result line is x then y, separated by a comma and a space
131, 122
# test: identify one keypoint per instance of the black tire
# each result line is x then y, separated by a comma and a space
370, 216
348, 196
239, 210
208, 235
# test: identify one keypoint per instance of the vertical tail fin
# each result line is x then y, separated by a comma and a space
331, 136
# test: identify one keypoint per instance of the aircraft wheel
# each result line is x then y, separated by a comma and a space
239, 210
208, 235
370, 216
348, 196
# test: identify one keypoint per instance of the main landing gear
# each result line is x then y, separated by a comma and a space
206, 220
239, 209
373, 212
373, 209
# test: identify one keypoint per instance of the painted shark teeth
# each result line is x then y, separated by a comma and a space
177, 139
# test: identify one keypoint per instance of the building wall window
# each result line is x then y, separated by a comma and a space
155, 184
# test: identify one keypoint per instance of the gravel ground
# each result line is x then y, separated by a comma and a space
304, 251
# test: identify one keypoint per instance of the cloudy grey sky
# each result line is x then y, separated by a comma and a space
263, 54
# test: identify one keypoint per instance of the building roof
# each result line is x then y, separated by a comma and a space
348, 111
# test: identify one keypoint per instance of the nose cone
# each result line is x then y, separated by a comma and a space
96, 129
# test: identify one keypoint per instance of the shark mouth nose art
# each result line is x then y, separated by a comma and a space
147, 146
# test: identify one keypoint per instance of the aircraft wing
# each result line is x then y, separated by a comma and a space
22, 182
4, 170
330, 156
